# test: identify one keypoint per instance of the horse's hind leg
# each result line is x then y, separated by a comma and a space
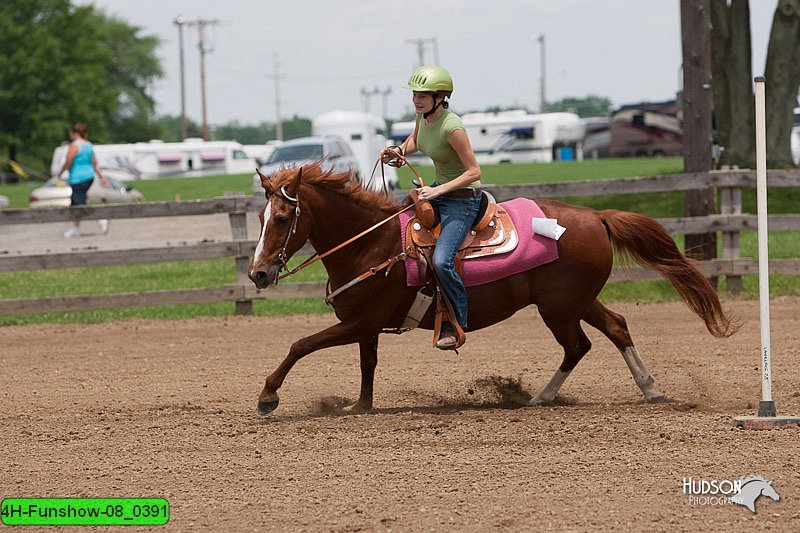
613, 326
575, 343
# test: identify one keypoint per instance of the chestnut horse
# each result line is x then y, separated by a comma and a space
327, 209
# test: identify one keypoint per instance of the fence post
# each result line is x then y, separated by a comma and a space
238, 221
731, 204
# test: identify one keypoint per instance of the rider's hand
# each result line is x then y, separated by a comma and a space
390, 153
428, 193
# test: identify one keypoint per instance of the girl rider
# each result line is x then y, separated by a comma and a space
456, 193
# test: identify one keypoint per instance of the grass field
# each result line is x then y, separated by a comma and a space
212, 273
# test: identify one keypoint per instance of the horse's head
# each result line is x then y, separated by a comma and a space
283, 230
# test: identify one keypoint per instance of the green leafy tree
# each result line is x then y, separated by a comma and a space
589, 106
245, 134
296, 127
60, 63
170, 126
133, 67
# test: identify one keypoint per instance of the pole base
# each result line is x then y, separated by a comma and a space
766, 422
766, 408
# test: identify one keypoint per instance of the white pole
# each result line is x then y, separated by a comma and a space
767, 406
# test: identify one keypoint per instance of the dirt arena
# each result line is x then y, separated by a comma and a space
167, 409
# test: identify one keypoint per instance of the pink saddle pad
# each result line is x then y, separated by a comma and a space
533, 250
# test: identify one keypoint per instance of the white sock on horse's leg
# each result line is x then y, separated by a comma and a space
644, 380
548, 394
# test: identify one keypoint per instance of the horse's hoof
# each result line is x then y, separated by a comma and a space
657, 399
539, 402
358, 408
265, 407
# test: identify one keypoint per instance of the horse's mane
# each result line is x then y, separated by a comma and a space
342, 182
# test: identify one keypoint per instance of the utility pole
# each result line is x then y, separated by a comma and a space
276, 78
420, 43
697, 134
385, 94
367, 95
180, 21
542, 79
201, 24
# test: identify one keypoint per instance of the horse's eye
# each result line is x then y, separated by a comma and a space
280, 221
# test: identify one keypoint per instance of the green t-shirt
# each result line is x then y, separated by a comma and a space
432, 141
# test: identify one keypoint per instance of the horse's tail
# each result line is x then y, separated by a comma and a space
652, 246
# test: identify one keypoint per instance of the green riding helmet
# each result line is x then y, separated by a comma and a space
430, 78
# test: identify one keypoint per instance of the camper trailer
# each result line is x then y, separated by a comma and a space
646, 130
365, 133
260, 152
796, 137
156, 159
516, 136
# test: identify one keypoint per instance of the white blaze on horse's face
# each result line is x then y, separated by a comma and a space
260, 246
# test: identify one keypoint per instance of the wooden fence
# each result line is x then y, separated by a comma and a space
730, 221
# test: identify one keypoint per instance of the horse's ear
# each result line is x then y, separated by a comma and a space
293, 187
264, 181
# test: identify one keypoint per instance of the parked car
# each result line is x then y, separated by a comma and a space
57, 193
332, 148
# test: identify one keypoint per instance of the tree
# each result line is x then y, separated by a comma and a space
783, 79
588, 106
170, 127
60, 64
733, 78
731, 67
133, 67
245, 134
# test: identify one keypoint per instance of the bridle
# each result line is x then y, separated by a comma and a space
284, 261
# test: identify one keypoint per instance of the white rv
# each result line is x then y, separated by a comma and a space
366, 135
156, 159
261, 152
516, 136
795, 139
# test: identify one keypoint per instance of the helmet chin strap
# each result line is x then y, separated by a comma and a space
441, 102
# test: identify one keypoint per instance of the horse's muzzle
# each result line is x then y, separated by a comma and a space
264, 278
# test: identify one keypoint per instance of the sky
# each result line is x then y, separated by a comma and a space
331, 51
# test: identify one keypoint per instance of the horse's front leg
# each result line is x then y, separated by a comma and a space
337, 335
369, 360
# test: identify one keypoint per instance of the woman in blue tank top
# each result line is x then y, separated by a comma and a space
82, 165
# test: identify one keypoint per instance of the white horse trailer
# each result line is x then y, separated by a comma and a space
156, 159
366, 135
796, 137
516, 136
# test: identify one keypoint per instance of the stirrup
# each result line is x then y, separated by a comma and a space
448, 338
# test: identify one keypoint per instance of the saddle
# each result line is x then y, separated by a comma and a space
492, 233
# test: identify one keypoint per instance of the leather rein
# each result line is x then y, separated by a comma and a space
397, 161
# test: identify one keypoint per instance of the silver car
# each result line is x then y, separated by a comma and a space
57, 193
332, 148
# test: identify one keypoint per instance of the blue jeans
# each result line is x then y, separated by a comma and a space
457, 216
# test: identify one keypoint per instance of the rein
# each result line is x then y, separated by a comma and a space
397, 161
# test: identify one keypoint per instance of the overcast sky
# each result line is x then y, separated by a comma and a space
331, 50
